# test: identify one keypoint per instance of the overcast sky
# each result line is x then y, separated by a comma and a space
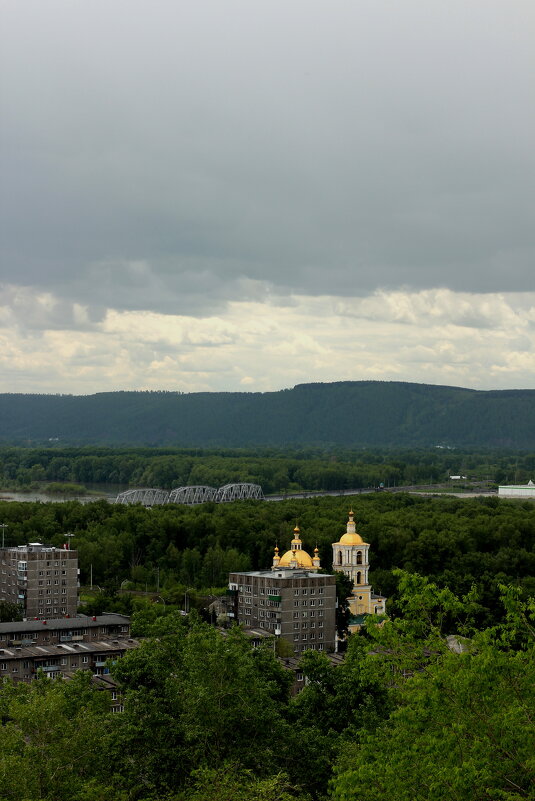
226, 194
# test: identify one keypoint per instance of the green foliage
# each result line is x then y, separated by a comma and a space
170, 551
51, 740
9, 612
461, 725
232, 783
361, 413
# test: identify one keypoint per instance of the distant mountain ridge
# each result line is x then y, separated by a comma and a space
345, 413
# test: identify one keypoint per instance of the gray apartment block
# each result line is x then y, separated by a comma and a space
41, 579
64, 630
298, 605
23, 663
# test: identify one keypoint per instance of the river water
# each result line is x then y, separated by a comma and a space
101, 491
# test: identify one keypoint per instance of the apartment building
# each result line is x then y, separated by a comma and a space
22, 663
295, 604
60, 630
41, 579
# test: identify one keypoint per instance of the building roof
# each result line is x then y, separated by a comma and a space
284, 573
80, 621
100, 647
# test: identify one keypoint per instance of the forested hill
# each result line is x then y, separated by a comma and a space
360, 413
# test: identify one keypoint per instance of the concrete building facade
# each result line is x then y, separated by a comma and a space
292, 600
41, 579
64, 630
517, 490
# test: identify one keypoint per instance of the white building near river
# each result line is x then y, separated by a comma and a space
518, 490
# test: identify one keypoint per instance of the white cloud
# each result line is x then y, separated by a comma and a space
441, 337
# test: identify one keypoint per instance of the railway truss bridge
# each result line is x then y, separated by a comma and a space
192, 495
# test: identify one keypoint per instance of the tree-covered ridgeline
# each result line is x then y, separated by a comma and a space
209, 718
276, 470
354, 413
455, 542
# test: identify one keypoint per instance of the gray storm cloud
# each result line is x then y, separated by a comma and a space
174, 156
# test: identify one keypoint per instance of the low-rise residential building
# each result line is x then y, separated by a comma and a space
58, 630
22, 663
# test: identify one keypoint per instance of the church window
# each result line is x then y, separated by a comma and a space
339, 557
359, 577
359, 557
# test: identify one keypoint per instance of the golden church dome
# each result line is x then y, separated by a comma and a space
351, 537
300, 556
296, 556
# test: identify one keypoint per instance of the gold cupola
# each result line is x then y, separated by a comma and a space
296, 557
351, 537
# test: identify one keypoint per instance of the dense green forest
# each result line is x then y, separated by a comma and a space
361, 413
455, 542
208, 718
276, 470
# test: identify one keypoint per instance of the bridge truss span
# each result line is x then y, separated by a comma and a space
192, 495
239, 492
146, 497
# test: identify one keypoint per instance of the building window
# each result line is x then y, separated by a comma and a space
85, 660
296, 625
296, 603
296, 637
320, 590
296, 614
320, 602
320, 646
3, 665
296, 592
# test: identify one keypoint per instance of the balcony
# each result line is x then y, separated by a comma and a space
277, 598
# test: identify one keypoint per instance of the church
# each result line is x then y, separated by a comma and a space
351, 556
